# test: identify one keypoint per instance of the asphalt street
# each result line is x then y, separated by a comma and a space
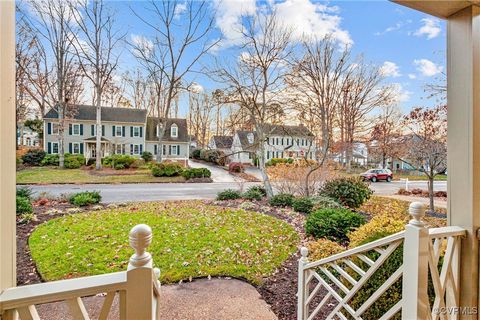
112, 193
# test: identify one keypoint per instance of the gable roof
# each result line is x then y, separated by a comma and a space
223, 142
152, 123
112, 114
284, 130
243, 137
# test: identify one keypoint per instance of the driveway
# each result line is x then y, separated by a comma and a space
218, 174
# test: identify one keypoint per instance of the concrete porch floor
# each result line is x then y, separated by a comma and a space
200, 300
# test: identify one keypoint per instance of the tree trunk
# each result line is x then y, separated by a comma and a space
61, 140
161, 133
430, 193
384, 160
261, 163
98, 140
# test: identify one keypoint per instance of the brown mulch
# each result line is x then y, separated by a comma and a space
245, 176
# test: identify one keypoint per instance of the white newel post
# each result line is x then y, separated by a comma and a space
415, 263
302, 293
140, 301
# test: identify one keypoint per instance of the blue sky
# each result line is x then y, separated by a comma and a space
410, 45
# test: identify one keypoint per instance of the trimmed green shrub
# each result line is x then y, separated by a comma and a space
85, 198
117, 160
333, 224
275, 161
303, 205
196, 154
147, 156
71, 163
323, 202
167, 169
229, 194
33, 157
192, 173
350, 192
282, 200
260, 189
23, 205
253, 194
50, 160
25, 192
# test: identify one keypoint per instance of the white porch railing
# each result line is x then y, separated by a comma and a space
138, 289
424, 262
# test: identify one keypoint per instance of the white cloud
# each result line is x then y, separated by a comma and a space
427, 67
431, 28
312, 19
390, 69
304, 17
400, 93
142, 43
179, 9
412, 76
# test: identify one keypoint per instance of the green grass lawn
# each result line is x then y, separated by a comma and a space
190, 239
49, 175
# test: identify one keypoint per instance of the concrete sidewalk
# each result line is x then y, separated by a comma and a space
198, 300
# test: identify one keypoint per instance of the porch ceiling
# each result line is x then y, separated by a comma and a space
441, 9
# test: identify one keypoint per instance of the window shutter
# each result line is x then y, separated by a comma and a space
70, 147
131, 131
170, 150
49, 148
81, 129
123, 131
141, 132
141, 148
81, 148
49, 128
70, 129
123, 149
103, 130
164, 151
178, 149
155, 149
131, 149
113, 131
92, 130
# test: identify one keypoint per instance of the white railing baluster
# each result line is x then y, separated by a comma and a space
302, 285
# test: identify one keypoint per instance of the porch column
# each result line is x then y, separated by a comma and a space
7, 145
463, 52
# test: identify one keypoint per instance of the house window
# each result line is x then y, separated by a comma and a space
174, 131
76, 129
55, 128
54, 147
76, 148
119, 148
174, 150
136, 149
136, 132
118, 131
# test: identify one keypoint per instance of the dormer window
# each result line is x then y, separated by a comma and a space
250, 138
174, 131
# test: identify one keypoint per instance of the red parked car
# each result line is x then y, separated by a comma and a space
375, 175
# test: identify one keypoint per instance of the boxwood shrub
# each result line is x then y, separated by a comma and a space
349, 192
229, 194
333, 224
23, 205
192, 173
33, 157
85, 198
253, 194
282, 200
167, 169
303, 205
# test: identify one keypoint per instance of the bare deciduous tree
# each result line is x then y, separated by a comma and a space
94, 44
179, 28
255, 80
426, 146
201, 117
53, 23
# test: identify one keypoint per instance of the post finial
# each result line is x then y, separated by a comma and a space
140, 238
417, 211
304, 253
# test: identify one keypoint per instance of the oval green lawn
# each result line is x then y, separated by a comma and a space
190, 239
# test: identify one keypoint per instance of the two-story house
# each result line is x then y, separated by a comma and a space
281, 142
124, 131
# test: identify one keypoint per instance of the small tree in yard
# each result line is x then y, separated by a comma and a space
426, 147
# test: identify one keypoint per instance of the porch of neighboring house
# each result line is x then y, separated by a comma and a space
90, 146
443, 260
